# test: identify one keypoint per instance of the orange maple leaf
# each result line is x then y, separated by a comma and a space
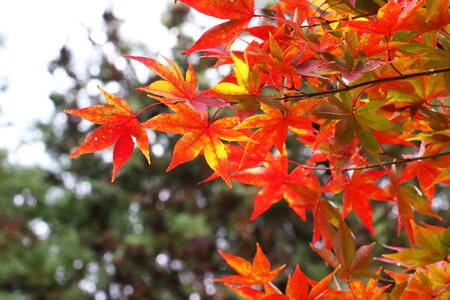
258, 273
118, 125
199, 135
369, 291
298, 286
175, 87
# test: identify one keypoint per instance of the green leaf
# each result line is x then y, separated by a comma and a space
447, 80
418, 203
430, 247
344, 133
367, 116
369, 6
437, 121
429, 240
434, 58
374, 121
348, 242
362, 259
367, 139
442, 136
347, 100
275, 49
329, 111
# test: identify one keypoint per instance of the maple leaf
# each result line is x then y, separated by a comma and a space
258, 273
358, 290
175, 87
246, 292
431, 282
247, 80
438, 138
426, 172
238, 12
433, 18
244, 91
431, 245
300, 7
359, 122
378, 83
274, 126
356, 193
408, 198
235, 154
324, 215
299, 188
351, 261
391, 17
118, 125
298, 286
199, 135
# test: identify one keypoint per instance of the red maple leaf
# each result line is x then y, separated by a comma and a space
427, 172
118, 125
357, 191
238, 12
300, 188
273, 128
408, 199
433, 18
391, 18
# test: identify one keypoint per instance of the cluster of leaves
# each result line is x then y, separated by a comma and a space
363, 85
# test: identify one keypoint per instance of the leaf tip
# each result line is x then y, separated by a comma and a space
227, 180
74, 154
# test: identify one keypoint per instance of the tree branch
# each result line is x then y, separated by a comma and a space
358, 85
382, 164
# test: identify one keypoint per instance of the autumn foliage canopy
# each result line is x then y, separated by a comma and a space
363, 86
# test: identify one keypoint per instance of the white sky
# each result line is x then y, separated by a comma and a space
34, 31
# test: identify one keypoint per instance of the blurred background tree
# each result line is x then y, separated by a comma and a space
68, 233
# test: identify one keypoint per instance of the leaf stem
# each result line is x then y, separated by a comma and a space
147, 107
214, 116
